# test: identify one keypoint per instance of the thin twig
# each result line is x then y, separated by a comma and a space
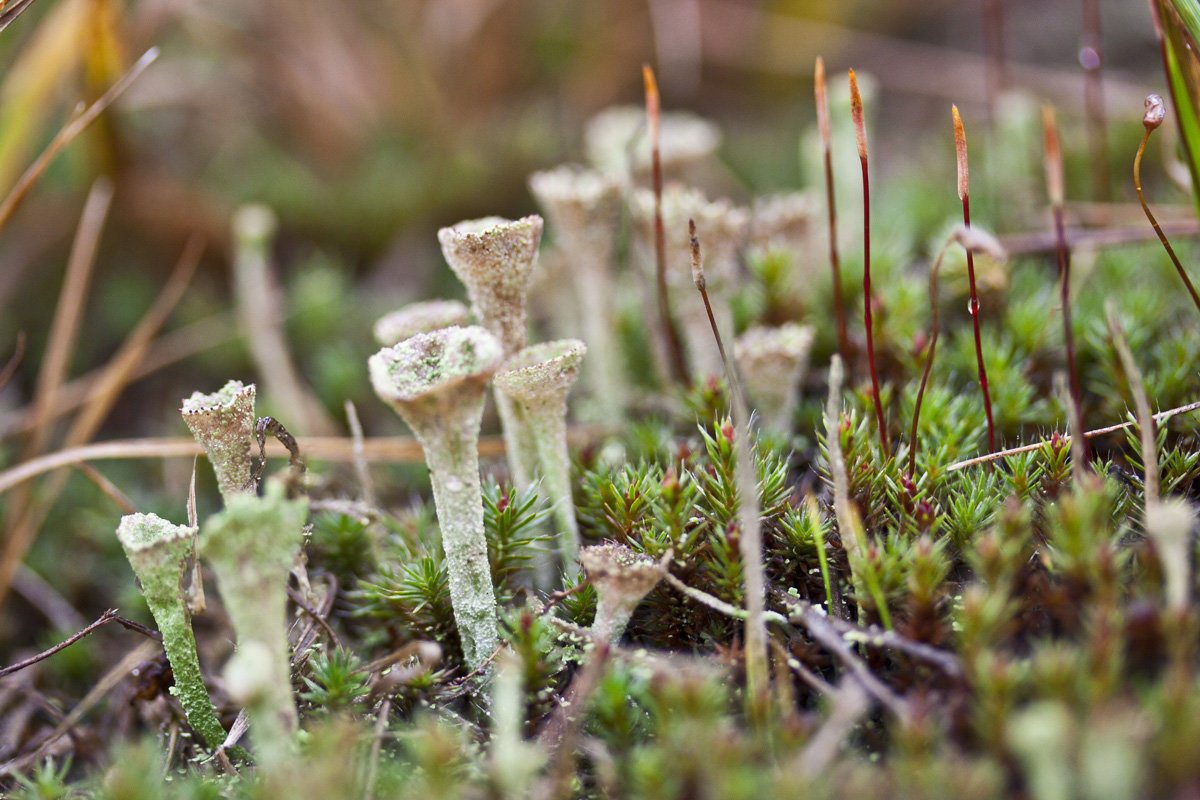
108, 616
818, 625
670, 334
1159, 417
108, 488
320, 620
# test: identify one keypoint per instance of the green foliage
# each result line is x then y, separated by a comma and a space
336, 681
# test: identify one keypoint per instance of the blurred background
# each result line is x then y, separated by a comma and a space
366, 126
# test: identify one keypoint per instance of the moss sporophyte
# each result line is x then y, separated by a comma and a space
436, 383
159, 552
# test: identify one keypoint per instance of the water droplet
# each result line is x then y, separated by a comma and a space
454, 484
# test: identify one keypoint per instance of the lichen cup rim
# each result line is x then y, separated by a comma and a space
410, 370
421, 317
542, 368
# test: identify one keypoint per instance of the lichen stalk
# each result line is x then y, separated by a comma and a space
159, 552
538, 381
251, 547
436, 383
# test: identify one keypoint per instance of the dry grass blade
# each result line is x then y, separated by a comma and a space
10, 10
113, 380
59, 348
73, 128
1161, 416
14, 361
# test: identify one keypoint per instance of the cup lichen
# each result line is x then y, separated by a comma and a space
494, 259
417, 318
159, 552
537, 380
436, 383
251, 546
622, 578
223, 424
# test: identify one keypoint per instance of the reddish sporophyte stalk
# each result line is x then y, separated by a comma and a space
860, 135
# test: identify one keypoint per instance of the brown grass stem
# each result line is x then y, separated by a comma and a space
1156, 111
860, 136
678, 362
835, 260
384, 449
1054, 188
964, 194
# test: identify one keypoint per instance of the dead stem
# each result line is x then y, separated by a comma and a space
749, 523
860, 136
1156, 111
670, 334
108, 616
835, 261
1161, 416
964, 194
14, 360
